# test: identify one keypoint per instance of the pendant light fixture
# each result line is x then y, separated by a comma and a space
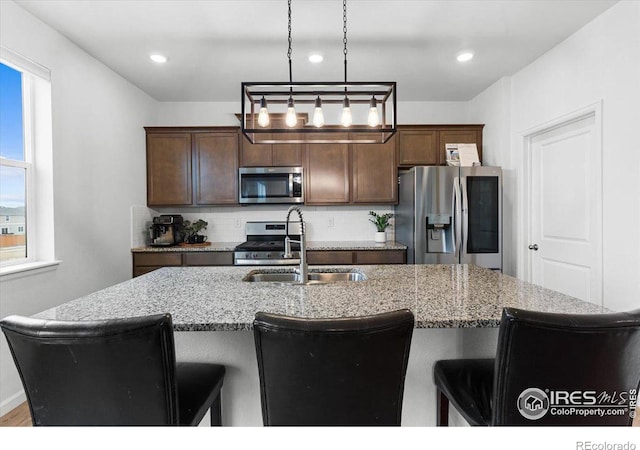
275, 112
318, 114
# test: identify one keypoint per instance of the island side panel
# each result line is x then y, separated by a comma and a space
236, 351
241, 390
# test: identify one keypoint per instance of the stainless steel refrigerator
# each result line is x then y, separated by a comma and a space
451, 215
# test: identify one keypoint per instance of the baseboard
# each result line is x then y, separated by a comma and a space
12, 402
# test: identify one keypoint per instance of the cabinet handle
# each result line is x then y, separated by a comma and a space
533, 247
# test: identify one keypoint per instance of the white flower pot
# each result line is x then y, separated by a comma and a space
381, 236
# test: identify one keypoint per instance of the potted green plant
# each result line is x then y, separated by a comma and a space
192, 231
382, 223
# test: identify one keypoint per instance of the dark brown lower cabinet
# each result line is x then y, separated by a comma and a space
148, 262
328, 257
380, 257
323, 257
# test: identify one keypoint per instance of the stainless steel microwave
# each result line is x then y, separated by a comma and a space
270, 185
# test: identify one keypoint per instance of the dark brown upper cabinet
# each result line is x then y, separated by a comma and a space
424, 145
169, 181
216, 163
374, 174
181, 161
270, 155
417, 147
337, 173
459, 135
198, 166
326, 175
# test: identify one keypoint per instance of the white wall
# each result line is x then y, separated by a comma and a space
597, 63
99, 167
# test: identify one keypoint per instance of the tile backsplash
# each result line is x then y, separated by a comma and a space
227, 224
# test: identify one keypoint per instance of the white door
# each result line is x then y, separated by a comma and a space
566, 203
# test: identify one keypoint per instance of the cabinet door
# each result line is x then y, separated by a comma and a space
157, 259
208, 259
375, 176
328, 257
287, 154
148, 262
380, 257
216, 168
270, 155
327, 172
465, 136
418, 147
169, 169
255, 155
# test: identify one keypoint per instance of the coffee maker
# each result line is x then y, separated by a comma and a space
166, 230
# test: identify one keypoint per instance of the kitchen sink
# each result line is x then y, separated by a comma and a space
314, 277
289, 277
331, 277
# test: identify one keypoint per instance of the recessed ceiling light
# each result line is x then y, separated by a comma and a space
466, 56
158, 58
315, 58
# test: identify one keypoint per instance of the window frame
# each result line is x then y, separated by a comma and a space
30, 219
38, 255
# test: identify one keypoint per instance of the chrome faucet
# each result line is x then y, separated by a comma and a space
303, 272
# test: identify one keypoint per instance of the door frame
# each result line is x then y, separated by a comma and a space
524, 231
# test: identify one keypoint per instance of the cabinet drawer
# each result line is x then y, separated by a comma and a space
137, 271
157, 259
330, 257
380, 257
208, 259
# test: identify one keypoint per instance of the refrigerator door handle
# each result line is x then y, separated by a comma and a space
456, 215
465, 214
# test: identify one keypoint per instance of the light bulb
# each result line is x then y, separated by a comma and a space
263, 117
347, 120
291, 119
318, 115
374, 119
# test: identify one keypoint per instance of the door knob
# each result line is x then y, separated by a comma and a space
533, 247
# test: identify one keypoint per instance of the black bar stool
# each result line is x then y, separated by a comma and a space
110, 372
345, 371
545, 365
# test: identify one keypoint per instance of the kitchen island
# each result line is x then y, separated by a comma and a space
457, 309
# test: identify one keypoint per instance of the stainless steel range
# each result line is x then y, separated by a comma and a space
265, 244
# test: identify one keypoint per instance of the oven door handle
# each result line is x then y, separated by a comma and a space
266, 262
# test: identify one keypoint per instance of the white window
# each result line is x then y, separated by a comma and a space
25, 149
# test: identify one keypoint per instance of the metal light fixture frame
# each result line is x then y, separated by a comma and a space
306, 93
257, 94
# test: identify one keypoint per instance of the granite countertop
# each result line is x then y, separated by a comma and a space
216, 298
311, 245
213, 247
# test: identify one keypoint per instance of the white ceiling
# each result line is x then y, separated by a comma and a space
214, 45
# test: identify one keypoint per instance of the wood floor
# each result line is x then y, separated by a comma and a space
20, 417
